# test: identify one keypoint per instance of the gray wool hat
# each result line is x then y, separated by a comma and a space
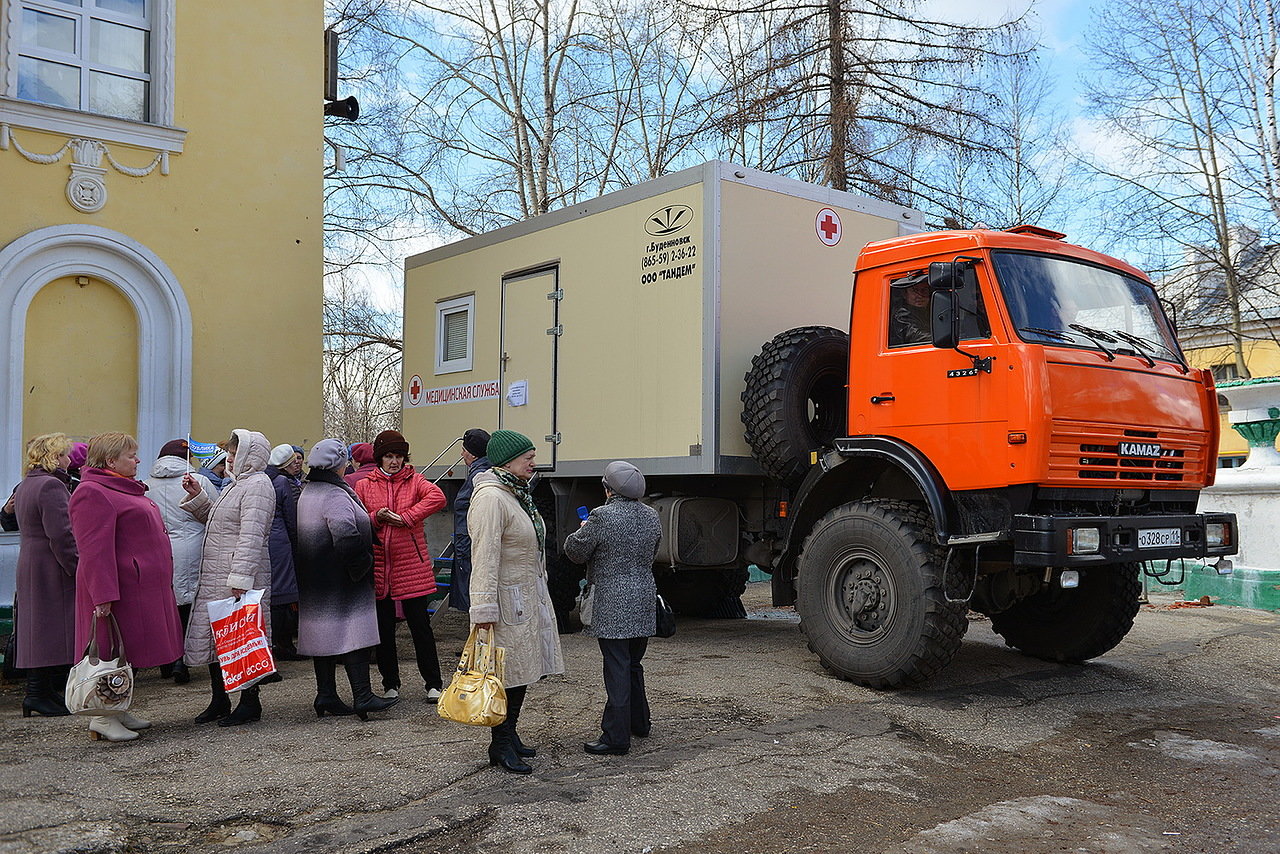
328, 454
624, 479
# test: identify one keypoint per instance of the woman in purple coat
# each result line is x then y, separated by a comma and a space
46, 575
126, 568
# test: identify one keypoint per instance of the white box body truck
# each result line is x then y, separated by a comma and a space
621, 328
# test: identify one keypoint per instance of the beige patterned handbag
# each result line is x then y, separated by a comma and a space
98, 687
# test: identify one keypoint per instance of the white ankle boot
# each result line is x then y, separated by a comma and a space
110, 728
132, 722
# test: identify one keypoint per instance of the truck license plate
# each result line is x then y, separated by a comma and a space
1154, 538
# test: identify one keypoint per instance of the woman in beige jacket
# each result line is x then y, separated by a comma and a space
509, 584
234, 559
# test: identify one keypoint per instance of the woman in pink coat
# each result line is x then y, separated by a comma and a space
125, 569
399, 499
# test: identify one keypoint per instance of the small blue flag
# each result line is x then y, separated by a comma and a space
202, 449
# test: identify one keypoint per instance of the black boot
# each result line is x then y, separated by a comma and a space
220, 706
502, 750
515, 701
181, 674
42, 697
327, 700
248, 710
363, 700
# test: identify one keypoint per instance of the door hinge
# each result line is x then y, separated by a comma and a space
554, 438
558, 293
558, 329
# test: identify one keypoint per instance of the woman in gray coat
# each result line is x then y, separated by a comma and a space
618, 543
337, 619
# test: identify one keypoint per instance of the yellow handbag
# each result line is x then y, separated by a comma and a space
476, 696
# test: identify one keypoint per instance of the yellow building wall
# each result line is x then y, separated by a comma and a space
1262, 359
93, 387
238, 221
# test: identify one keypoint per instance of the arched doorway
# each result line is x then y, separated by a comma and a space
163, 327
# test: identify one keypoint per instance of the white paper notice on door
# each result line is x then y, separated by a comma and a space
518, 393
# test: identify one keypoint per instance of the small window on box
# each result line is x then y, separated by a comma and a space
455, 327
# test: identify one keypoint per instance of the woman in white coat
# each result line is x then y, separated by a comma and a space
186, 533
234, 559
509, 584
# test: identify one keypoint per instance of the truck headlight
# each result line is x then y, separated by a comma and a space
1217, 534
1083, 541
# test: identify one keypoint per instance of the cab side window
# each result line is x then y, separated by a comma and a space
909, 323
910, 318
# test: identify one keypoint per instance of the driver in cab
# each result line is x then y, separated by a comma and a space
909, 321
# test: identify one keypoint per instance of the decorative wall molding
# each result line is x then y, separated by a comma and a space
164, 326
86, 189
29, 115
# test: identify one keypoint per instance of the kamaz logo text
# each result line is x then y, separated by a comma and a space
668, 220
1140, 449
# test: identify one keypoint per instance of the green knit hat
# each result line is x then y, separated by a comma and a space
506, 445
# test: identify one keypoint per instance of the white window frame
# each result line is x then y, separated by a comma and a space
452, 306
157, 134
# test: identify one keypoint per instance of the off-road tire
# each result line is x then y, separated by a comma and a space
705, 592
870, 595
795, 399
1075, 624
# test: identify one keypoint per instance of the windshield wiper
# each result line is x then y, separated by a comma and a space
1097, 336
1138, 340
1136, 343
1048, 333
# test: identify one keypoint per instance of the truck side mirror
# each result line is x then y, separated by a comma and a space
941, 312
954, 304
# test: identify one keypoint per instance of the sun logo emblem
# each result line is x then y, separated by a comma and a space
668, 220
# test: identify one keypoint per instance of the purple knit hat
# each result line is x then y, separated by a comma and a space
79, 453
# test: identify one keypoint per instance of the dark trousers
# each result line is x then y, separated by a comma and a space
424, 642
627, 709
284, 625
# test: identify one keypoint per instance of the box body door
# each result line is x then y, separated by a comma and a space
530, 348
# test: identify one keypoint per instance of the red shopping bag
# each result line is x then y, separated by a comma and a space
241, 642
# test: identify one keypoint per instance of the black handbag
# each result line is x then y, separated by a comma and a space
666, 619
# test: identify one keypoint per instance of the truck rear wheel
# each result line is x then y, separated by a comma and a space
870, 595
1074, 624
795, 399
705, 592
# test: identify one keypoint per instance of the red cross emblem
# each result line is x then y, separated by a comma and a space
827, 224
415, 390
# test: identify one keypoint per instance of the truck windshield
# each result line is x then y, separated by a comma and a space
1067, 302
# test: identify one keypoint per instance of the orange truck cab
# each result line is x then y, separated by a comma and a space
1023, 438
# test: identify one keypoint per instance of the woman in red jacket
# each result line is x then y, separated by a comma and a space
399, 500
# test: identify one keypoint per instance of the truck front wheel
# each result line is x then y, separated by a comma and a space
870, 595
1074, 624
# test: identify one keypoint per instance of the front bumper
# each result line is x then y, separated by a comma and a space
1044, 540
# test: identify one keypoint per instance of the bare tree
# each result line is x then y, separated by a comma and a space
1188, 107
362, 353
873, 82
1024, 183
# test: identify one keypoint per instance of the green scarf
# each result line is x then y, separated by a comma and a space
520, 488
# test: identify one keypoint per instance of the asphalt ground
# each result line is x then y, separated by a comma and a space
1171, 743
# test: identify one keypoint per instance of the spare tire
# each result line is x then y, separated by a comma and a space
796, 399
